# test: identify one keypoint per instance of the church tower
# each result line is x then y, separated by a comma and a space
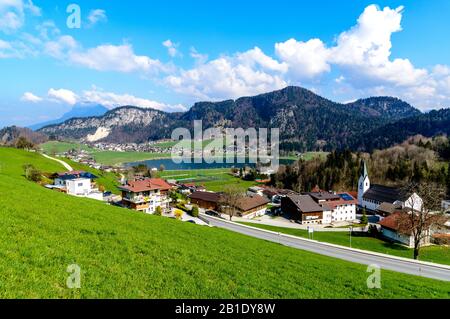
364, 183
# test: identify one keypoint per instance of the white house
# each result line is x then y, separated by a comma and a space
371, 196
146, 195
77, 183
390, 231
338, 207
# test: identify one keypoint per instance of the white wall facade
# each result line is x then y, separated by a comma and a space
258, 213
79, 187
363, 187
414, 202
346, 212
370, 204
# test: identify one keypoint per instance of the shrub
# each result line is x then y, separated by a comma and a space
24, 144
178, 214
194, 211
32, 174
158, 211
373, 231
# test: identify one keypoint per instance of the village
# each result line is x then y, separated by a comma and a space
373, 208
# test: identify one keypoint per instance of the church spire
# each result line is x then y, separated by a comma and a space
364, 173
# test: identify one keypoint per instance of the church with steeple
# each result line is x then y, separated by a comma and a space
372, 197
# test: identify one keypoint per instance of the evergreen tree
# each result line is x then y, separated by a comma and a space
364, 218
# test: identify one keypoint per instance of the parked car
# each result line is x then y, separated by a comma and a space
212, 213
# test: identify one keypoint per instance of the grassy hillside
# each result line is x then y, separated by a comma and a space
437, 254
57, 147
131, 255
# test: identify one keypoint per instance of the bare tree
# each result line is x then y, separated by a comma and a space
422, 213
230, 199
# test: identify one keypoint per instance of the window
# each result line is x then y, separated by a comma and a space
80, 184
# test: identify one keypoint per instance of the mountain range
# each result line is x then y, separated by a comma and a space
78, 111
306, 120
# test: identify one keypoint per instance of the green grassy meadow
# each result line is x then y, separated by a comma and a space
115, 158
213, 179
436, 254
125, 254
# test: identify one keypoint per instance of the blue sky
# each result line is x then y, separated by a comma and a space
170, 55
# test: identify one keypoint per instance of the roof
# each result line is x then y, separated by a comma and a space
323, 196
305, 203
383, 194
206, 196
75, 174
364, 173
343, 199
145, 185
391, 222
387, 208
251, 202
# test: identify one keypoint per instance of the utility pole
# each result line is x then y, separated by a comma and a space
351, 230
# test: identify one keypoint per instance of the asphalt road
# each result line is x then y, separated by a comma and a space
402, 265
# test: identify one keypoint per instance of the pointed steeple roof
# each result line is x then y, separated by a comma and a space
364, 173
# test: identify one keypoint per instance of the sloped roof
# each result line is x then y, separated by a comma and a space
386, 194
145, 185
206, 196
75, 174
251, 202
387, 208
305, 203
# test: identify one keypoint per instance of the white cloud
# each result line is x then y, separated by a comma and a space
198, 57
97, 15
364, 51
97, 96
306, 60
172, 48
112, 100
361, 59
119, 58
30, 97
63, 95
35, 10
12, 14
60, 46
242, 74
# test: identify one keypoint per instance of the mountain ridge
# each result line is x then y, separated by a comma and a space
306, 120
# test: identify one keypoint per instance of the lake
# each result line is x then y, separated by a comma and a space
171, 166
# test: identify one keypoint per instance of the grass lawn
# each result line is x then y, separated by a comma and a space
61, 147
114, 158
437, 254
125, 254
213, 179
